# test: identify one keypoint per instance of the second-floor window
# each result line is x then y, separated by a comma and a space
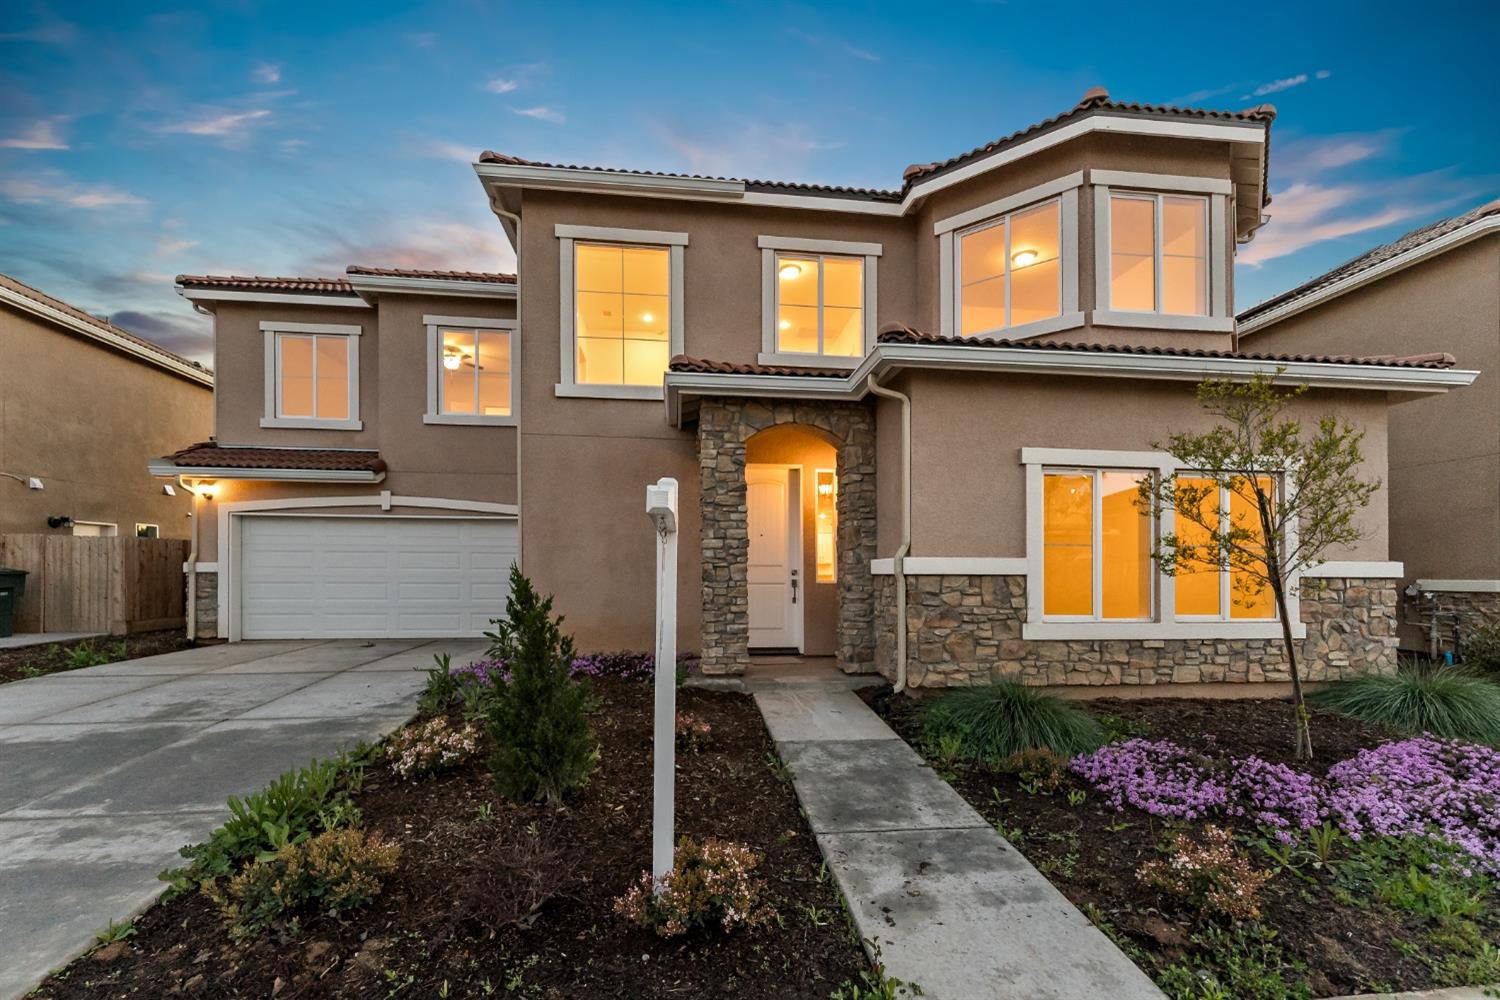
1158, 253
1010, 270
820, 305
312, 375
471, 370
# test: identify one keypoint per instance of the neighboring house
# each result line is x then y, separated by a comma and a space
1434, 289
951, 389
82, 404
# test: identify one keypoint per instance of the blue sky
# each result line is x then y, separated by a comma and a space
138, 142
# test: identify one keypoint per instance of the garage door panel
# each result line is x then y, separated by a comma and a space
373, 577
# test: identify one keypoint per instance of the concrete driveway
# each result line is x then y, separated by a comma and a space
106, 772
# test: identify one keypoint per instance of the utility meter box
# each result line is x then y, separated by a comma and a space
12, 586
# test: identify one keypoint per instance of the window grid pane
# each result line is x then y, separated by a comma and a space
820, 305
1126, 566
1068, 545
826, 504
622, 325
1249, 597
1010, 271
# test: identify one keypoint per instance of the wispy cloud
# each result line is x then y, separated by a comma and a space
515, 78
1301, 157
53, 188
834, 43
437, 149
1285, 83
542, 112
502, 85
420, 243
52, 32
420, 39
188, 335
168, 247
232, 128
39, 135
743, 148
267, 73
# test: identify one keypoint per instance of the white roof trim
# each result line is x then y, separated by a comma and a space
884, 357
374, 284
276, 298
166, 467
1448, 241
176, 366
735, 191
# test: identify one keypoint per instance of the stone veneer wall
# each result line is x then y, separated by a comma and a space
967, 630
206, 600
724, 428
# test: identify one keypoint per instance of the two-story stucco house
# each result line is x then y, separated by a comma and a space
1436, 288
907, 424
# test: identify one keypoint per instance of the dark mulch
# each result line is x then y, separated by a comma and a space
413, 939
36, 661
1091, 852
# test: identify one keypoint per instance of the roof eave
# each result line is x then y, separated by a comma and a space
167, 468
207, 298
682, 389
371, 286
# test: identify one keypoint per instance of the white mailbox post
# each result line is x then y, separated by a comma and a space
661, 507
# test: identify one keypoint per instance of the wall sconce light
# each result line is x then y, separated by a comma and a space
825, 489
168, 490
59, 521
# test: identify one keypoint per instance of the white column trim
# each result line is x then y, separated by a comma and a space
953, 566
1355, 570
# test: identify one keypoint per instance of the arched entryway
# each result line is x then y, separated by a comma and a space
783, 448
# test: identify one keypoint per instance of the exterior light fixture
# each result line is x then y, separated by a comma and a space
825, 489
33, 483
168, 490
1023, 258
789, 271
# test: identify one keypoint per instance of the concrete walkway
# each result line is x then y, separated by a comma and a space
105, 772
954, 908
23, 640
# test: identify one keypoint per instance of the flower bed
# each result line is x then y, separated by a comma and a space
492, 898
1225, 869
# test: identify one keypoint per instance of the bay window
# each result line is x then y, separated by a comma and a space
1159, 253
1010, 270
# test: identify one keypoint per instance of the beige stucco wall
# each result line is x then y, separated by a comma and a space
1444, 449
968, 484
86, 419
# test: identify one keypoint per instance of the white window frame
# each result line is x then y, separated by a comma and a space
273, 330
1096, 545
107, 529
1226, 576
469, 324
1216, 193
949, 231
1166, 624
770, 297
147, 524
567, 237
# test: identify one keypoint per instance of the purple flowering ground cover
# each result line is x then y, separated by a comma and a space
1400, 902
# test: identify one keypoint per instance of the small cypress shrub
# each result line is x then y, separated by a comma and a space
1006, 718
1448, 703
539, 715
1481, 646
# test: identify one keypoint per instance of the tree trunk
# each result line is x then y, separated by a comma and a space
1302, 732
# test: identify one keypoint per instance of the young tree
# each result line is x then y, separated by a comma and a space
539, 717
1299, 493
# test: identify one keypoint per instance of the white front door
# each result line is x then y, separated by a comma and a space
774, 516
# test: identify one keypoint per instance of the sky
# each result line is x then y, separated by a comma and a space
140, 141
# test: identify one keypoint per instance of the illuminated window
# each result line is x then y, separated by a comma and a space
475, 372
1158, 253
820, 305
1009, 270
314, 377
1205, 588
1096, 546
147, 530
622, 314
825, 503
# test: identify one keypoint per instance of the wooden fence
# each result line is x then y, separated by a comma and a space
116, 585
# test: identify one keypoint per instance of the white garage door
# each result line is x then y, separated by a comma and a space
372, 577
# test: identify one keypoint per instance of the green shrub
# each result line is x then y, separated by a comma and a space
1443, 701
442, 687
1005, 718
711, 885
333, 873
427, 749
290, 809
538, 717
1209, 873
1481, 646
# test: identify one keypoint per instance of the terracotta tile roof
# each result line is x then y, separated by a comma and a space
684, 363
257, 283
212, 455
1375, 257
37, 295
872, 194
1095, 99
492, 277
897, 334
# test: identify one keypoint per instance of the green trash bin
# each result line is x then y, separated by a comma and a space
12, 586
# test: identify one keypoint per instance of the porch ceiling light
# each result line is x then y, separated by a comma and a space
1023, 258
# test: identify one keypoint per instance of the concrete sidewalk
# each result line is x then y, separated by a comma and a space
953, 907
105, 772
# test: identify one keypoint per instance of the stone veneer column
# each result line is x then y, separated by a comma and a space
967, 630
725, 426
206, 601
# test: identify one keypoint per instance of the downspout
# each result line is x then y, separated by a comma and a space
898, 564
515, 219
